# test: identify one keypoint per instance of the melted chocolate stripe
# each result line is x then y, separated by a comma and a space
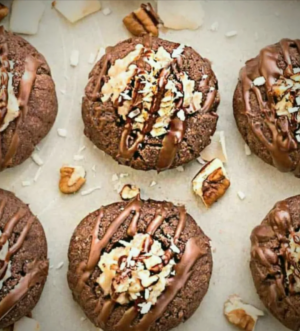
282, 141
97, 245
25, 88
16, 247
193, 252
2, 206
9, 227
37, 271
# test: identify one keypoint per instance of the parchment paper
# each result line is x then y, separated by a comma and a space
228, 223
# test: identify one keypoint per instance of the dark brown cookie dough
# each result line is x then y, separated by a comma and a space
266, 105
32, 90
23, 259
275, 261
108, 232
176, 125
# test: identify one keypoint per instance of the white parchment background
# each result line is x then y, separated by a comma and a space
228, 223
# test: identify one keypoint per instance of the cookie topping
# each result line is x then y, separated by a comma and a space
154, 97
72, 179
11, 107
277, 131
35, 270
135, 272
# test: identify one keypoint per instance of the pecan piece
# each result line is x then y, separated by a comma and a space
242, 315
142, 21
129, 192
211, 182
3, 11
72, 179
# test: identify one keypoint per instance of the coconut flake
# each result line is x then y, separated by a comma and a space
181, 14
101, 53
75, 10
26, 183
153, 183
296, 70
92, 58
37, 175
25, 16
214, 27
298, 101
91, 190
241, 195
36, 158
62, 132
293, 110
231, 34
114, 177
247, 150
60, 265
180, 169
78, 157
259, 81
145, 307
74, 59
106, 11
181, 115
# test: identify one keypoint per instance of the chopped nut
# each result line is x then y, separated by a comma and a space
3, 11
72, 179
129, 192
143, 21
211, 182
242, 315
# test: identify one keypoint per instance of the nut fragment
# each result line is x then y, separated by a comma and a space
72, 179
211, 182
3, 11
129, 192
242, 315
143, 21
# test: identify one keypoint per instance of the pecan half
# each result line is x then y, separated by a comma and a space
242, 315
72, 179
129, 192
143, 21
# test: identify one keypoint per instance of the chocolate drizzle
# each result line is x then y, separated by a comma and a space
282, 142
36, 269
278, 225
25, 88
194, 250
132, 138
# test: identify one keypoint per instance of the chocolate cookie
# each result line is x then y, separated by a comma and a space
266, 105
28, 104
23, 259
151, 103
275, 261
139, 265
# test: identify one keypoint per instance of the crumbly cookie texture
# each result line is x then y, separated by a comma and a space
211, 183
164, 97
242, 315
267, 104
28, 99
275, 261
23, 260
139, 261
